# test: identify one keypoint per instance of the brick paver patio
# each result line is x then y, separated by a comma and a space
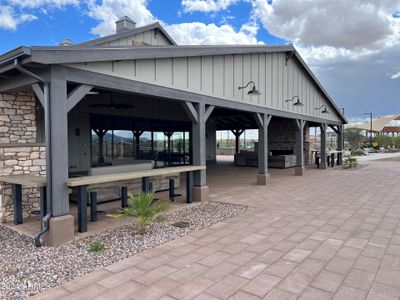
330, 234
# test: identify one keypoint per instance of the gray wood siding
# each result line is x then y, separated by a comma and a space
220, 76
149, 37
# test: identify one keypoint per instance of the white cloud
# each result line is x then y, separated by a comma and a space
340, 24
352, 46
13, 12
41, 3
332, 28
206, 5
210, 34
109, 11
9, 20
395, 76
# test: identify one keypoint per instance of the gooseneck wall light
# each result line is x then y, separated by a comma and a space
296, 101
324, 110
253, 91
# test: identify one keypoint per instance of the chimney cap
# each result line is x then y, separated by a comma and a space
125, 23
67, 42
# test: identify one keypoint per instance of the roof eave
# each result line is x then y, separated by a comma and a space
80, 54
19, 52
338, 110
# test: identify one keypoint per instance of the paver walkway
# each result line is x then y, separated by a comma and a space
329, 234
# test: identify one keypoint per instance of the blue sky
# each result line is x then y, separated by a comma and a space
53, 24
352, 46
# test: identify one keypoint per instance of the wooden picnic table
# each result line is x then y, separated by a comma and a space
17, 181
81, 184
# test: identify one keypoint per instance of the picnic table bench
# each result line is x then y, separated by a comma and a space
82, 183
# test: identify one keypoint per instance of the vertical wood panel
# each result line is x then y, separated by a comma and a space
228, 77
164, 71
274, 85
285, 83
218, 74
278, 86
246, 69
145, 69
254, 75
194, 72
101, 66
148, 37
261, 80
125, 67
268, 82
238, 76
180, 72
207, 75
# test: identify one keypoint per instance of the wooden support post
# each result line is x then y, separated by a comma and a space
340, 143
146, 185
262, 121
76, 95
100, 135
198, 114
237, 133
93, 206
17, 197
323, 146
124, 196
189, 187
299, 170
169, 134
137, 134
82, 208
57, 171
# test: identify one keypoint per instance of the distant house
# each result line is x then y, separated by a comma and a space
137, 95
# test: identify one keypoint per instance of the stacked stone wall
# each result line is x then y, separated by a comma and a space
282, 136
17, 118
20, 160
19, 153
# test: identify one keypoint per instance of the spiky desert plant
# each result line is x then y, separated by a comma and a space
143, 208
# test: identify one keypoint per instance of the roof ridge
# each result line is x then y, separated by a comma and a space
122, 34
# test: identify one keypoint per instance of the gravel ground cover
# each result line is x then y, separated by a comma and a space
26, 270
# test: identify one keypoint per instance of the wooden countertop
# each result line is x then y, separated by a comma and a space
96, 179
25, 180
40, 181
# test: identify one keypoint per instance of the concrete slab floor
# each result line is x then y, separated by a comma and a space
331, 234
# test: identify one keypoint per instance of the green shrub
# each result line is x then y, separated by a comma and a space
96, 246
350, 162
358, 152
396, 142
143, 208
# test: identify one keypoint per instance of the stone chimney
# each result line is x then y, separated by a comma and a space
124, 24
66, 42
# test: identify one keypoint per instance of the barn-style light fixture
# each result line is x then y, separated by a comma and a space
296, 101
325, 109
253, 91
